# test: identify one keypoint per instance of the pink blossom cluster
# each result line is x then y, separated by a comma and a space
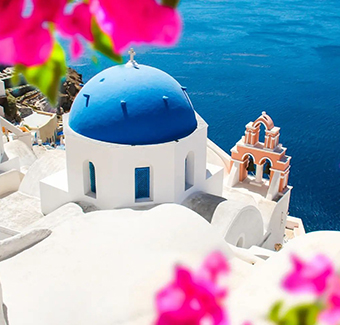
28, 38
317, 277
194, 298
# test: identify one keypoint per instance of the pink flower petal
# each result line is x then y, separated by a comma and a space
30, 45
142, 21
310, 277
331, 315
78, 22
33, 43
43, 11
8, 53
191, 299
76, 48
214, 265
10, 16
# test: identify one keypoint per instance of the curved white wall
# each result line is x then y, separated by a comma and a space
241, 225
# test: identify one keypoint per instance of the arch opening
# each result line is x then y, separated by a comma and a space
189, 170
262, 133
240, 242
90, 181
266, 169
250, 165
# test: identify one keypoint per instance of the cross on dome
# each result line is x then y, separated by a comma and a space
132, 62
132, 54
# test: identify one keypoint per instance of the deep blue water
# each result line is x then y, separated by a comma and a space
241, 57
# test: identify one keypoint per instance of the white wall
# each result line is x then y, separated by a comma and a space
10, 181
115, 169
12, 163
196, 143
1, 144
2, 89
54, 192
277, 224
214, 182
240, 224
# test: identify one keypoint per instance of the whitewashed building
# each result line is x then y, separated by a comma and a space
132, 139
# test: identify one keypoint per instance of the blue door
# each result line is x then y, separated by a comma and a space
142, 183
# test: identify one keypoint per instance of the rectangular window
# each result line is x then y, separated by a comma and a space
142, 183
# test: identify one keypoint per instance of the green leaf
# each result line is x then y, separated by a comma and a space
170, 3
274, 314
103, 44
46, 77
305, 314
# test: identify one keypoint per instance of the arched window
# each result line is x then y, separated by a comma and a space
189, 170
92, 177
142, 183
90, 185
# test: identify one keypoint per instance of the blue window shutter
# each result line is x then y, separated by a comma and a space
142, 182
92, 177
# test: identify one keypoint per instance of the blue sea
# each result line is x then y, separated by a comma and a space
238, 58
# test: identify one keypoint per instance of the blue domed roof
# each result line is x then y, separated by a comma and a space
135, 106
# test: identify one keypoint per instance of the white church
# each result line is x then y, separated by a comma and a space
132, 139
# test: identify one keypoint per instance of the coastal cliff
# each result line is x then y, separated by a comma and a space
23, 99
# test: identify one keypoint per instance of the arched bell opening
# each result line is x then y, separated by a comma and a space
266, 168
250, 165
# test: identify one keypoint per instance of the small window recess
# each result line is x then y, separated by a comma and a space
142, 184
189, 170
90, 181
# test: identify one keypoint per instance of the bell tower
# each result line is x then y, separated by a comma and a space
269, 158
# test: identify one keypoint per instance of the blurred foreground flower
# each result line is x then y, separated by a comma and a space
317, 277
331, 314
194, 298
109, 26
310, 277
142, 21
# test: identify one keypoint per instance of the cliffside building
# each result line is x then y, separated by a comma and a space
133, 140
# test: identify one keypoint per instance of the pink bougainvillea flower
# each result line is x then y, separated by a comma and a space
193, 299
142, 21
76, 48
310, 277
48, 12
74, 24
10, 16
331, 314
29, 45
77, 22
214, 265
